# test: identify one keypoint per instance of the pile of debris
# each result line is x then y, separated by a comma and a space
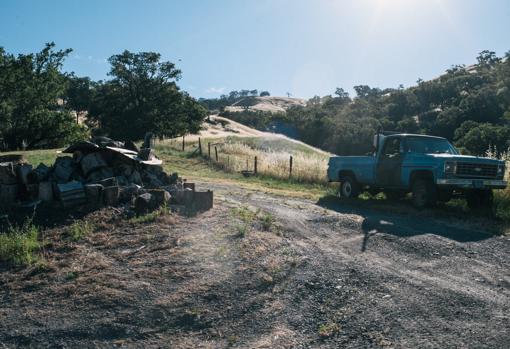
100, 172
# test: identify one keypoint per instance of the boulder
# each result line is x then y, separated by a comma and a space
45, 191
92, 162
111, 195
23, 171
8, 194
8, 173
94, 193
143, 204
63, 168
39, 174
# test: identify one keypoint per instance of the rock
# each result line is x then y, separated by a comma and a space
45, 191
109, 182
122, 181
92, 162
131, 146
71, 193
111, 195
202, 201
23, 171
188, 185
143, 203
160, 197
99, 175
94, 193
39, 174
8, 194
128, 192
33, 190
63, 168
8, 173
136, 178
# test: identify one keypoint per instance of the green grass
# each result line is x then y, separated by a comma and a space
35, 157
151, 216
79, 229
20, 245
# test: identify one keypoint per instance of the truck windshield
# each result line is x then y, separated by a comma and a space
429, 146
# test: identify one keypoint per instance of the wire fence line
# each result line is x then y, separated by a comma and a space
242, 158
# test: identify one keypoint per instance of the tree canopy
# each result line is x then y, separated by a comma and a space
144, 95
40, 104
31, 110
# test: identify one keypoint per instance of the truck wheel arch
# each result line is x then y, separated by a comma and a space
346, 173
420, 174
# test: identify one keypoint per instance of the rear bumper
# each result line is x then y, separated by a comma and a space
473, 183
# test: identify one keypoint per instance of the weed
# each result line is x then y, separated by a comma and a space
242, 230
20, 244
329, 329
79, 229
267, 221
72, 275
244, 214
163, 211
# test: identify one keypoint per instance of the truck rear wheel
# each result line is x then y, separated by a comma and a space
349, 188
424, 193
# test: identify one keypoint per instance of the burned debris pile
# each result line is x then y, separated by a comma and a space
96, 173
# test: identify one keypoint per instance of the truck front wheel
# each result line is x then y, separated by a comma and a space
349, 188
424, 193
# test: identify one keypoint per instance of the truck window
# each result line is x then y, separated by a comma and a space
426, 145
391, 148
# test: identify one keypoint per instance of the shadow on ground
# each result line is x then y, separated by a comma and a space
397, 218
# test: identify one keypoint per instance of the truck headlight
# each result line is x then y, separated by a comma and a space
501, 169
449, 167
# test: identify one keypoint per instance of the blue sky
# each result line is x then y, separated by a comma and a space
305, 47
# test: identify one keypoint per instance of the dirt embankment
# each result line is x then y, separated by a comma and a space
262, 271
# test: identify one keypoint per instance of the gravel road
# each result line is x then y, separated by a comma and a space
266, 271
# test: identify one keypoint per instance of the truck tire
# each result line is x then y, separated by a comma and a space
424, 193
480, 198
349, 188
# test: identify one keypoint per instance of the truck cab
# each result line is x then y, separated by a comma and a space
427, 166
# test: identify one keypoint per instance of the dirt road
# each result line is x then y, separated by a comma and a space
265, 271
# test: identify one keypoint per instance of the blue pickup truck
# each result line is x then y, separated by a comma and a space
428, 167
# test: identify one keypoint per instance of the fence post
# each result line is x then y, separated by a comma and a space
199, 146
209, 149
290, 167
255, 166
182, 142
216, 153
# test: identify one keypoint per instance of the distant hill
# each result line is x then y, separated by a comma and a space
266, 104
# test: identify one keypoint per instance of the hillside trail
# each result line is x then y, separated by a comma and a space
262, 270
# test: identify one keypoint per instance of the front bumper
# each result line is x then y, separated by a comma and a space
473, 183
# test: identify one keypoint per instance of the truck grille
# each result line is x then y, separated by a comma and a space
466, 169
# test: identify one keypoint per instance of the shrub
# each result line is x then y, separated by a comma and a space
20, 245
78, 230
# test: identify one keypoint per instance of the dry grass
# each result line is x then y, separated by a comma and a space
237, 154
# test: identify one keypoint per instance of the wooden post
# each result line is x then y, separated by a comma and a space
290, 167
183, 143
209, 149
255, 166
228, 163
199, 146
247, 164
216, 153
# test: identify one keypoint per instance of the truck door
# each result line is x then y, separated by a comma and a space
389, 164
